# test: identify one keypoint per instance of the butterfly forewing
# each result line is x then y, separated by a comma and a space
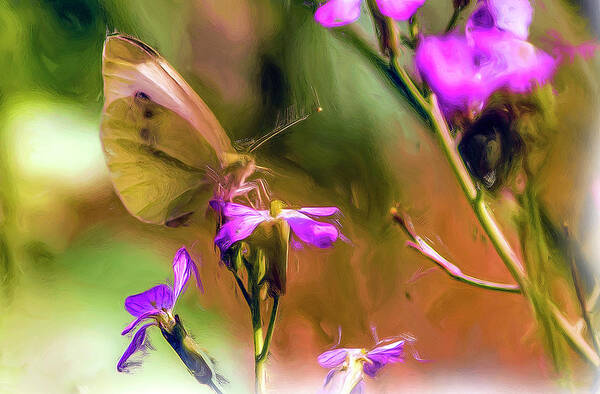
159, 137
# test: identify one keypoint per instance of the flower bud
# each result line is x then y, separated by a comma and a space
490, 145
195, 359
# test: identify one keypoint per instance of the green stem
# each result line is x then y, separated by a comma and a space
242, 288
254, 273
453, 19
578, 283
431, 113
260, 372
267, 344
503, 248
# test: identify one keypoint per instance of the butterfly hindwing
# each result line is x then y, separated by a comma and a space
159, 137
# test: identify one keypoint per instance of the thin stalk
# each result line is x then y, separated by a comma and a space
267, 344
426, 250
242, 288
577, 280
260, 372
453, 19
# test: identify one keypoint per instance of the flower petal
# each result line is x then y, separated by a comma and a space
338, 12
183, 266
330, 375
236, 230
142, 317
400, 10
231, 210
137, 343
512, 15
359, 388
332, 358
447, 64
319, 234
319, 211
383, 355
156, 298
509, 62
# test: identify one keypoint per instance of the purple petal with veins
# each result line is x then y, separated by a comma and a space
319, 234
400, 10
383, 355
332, 358
237, 229
156, 298
137, 343
319, 211
183, 267
232, 210
338, 12
142, 317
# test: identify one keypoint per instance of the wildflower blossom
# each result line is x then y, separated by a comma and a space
342, 12
156, 304
352, 364
240, 222
464, 70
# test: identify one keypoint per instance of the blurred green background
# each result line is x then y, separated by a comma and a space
70, 253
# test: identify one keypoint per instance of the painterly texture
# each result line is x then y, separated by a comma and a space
70, 250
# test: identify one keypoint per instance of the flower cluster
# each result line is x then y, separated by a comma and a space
493, 53
342, 12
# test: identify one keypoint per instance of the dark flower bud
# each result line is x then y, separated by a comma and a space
200, 364
490, 145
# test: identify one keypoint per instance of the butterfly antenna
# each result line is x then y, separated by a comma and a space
262, 140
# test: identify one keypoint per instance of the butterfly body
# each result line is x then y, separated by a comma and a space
165, 150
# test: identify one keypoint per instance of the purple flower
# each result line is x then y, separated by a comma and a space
342, 12
156, 304
449, 66
240, 222
464, 70
355, 363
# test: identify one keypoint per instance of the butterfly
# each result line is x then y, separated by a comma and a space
166, 151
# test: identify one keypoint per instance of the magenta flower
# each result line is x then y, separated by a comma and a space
156, 304
342, 12
240, 222
354, 364
464, 70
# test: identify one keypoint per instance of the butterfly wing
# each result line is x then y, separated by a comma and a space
159, 137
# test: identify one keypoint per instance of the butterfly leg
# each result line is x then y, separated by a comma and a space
259, 186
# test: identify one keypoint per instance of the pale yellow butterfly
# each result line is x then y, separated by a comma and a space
165, 149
